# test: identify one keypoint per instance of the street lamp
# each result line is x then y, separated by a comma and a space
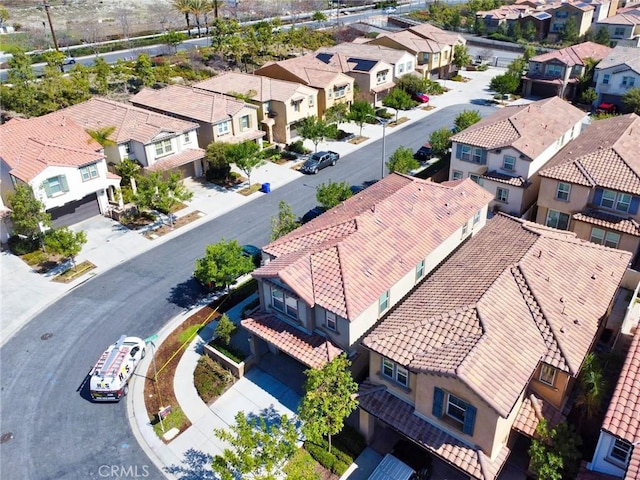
383, 122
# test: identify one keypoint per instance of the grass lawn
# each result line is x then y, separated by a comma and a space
73, 273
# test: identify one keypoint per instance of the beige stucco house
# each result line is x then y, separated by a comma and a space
616, 74
281, 104
490, 343
623, 28
504, 151
592, 187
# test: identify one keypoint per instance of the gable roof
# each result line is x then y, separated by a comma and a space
347, 257
131, 123
530, 129
575, 54
189, 102
604, 155
501, 304
367, 51
430, 32
310, 70
621, 57
266, 88
30, 146
412, 42
631, 17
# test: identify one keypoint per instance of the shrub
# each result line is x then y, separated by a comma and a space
433, 88
383, 113
225, 329
297, 147
36, 257
321, 455
301, 466
456, 78
288, 156
21, 246
339, 467
210, 378
482, 68
350, 440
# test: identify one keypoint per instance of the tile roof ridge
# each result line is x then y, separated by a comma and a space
584, 172
338, 248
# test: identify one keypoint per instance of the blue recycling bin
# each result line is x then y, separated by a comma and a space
266, 187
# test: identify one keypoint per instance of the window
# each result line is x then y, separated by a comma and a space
395, 372
401, 68
127, 148
224, 128
420, 270
554, 70
618, 32
461, 413
277, 299
561, 14
292, 306
620, 451
425, 57
55, 186
409, 66
284, 303
457, 175
476, 217
608, 199
331, 321
311, 101
465, 229
341, 91
605, 78
245, 122
186, 138
456, 408
89, 172
557, 220
628, 81
330, 93
602, 237
547, 374
163, 147
502, 195
381, 77
436, 57
296, 105
476, 178
465, 153
477, 155
509, 163
563, 191
383, 302
623, 202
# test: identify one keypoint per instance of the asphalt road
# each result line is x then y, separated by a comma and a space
58, 433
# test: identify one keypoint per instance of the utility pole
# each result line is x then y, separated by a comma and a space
53, 33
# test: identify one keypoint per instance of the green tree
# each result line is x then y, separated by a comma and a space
284, 222
412, 84
333, 193
128, 171
569, 33
218, 165
225, 329
172, 39
337, 113
602, 37
314, 129
329, 398
103, 136
4, 15
184, 7
592, 387
398, 99
143, 69
361, 112
517, 67
65, 242
529, 53
222, 264
631, 100
555, 454
245, 155
318, 17
156, 192
27, 212
440, 141
529, 32
402, 161
514, 31
504, 84
466, 118
258, 450
101, 71
461, 57
588, 96
21, 96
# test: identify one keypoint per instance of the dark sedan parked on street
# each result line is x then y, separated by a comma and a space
318, 161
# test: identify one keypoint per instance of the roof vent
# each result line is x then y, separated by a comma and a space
561, 299
576, 322
562, 330
593, 277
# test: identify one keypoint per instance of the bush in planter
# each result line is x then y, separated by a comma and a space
225, 329
297, 147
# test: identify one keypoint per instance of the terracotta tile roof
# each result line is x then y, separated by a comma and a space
346, 258
575, 54
533, 410
628, 18
313, 350
177, 159
633, 470
609, 221
189, 102
505, 290
310, 70
504, 178
623, 57
585, 474
266, 88
132, 123
623, 415
604, 155
400, 416
366, 51
443, 37
30, 146
530, 129
412, 42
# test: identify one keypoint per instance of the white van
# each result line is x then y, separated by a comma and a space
109, 378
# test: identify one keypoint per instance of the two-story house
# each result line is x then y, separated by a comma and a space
332, 85
489, 344
432, 47
64, 166
504, 151
155, 141
561, 12
623, 28
592, 187
618, 450
326, 283
282, 105
616, 74
558, 72
221, 118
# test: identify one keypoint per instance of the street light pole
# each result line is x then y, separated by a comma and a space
384, 122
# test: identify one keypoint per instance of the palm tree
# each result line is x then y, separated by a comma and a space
593, 387
183, 6
198, 9
101, 135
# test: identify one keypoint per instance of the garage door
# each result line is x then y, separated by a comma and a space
186, 171
544, 90
74, 212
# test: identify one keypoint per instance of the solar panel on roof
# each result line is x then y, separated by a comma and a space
324, 57
362, 65
582, 4
542, 15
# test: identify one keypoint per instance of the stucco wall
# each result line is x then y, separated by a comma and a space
554, 394
602, 462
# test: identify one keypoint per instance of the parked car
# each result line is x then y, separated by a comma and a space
254, 253
355, 189
69, 61
420, 97
313, 213
389, 10
318, 161
424, 153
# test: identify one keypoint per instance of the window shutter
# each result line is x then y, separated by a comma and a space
459, 150
597, 197
63, 183
47, 188
633, 208
438, 400
469, 420
483, 157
